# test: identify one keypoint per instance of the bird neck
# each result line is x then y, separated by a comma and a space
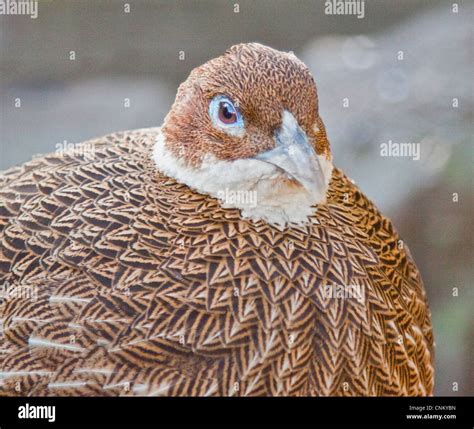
259, 190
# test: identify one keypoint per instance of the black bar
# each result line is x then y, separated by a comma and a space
137, 412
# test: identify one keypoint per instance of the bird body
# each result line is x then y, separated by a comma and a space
126, 272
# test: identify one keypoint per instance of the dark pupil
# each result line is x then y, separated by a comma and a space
227, 112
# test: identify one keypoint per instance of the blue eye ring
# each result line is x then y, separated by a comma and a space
224, 114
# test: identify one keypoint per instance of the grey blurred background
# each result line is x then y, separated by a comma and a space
47, 98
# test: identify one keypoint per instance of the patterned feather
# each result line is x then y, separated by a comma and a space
118, 280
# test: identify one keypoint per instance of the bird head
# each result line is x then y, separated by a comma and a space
248, 122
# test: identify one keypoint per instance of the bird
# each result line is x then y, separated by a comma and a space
219, 254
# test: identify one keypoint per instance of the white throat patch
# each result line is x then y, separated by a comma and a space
259, 189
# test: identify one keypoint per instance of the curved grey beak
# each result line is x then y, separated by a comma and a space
294, 155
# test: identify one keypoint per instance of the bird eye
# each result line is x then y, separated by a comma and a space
227, 113
224, 113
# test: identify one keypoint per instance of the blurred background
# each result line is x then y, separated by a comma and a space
403, 73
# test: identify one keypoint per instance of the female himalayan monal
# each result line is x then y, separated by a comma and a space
155, 273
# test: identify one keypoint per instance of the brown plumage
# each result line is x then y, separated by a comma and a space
262, 80
118, 280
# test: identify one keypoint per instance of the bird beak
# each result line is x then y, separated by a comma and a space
295, 155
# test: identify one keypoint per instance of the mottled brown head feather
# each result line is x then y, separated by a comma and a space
263, 82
